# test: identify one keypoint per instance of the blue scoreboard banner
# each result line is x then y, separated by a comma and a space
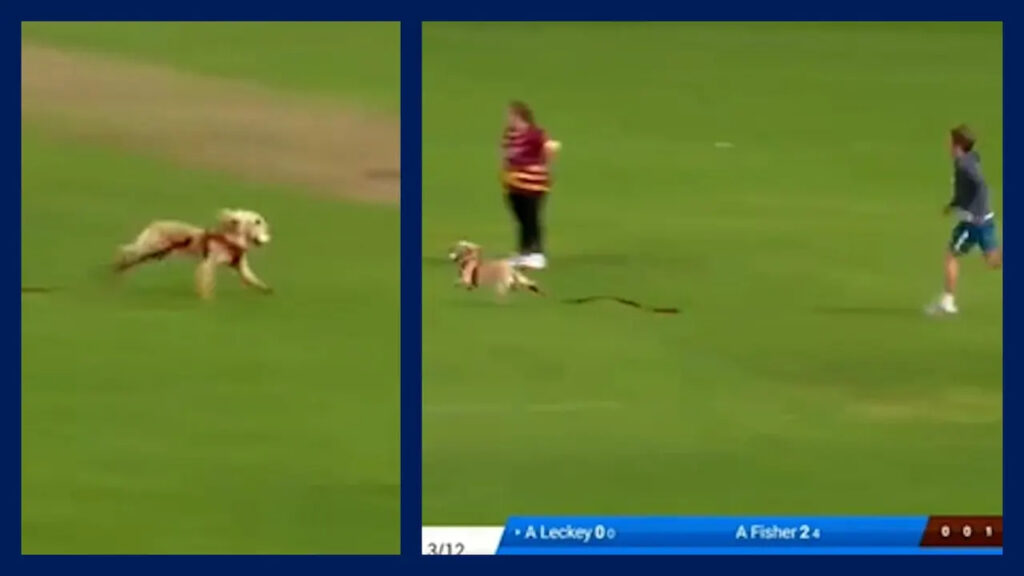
754, 535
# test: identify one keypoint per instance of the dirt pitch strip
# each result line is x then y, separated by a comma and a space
234, 127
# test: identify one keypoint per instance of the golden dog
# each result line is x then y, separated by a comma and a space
224, 245
474, 271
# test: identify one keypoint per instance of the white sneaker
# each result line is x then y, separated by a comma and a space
535, 261
943, 305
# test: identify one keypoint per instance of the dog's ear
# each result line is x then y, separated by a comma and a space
229, 219
467, 246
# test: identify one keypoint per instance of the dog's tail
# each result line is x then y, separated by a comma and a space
625, 302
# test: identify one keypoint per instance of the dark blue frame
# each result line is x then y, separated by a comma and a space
411, 13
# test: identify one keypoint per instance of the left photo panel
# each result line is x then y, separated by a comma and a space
210, 288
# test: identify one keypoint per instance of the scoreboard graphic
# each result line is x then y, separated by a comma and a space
963, 535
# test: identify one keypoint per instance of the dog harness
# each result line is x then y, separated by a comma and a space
474, 274
210, 237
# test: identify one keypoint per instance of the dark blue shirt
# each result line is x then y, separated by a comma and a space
970, 193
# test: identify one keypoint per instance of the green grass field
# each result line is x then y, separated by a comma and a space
782, 184
152, 423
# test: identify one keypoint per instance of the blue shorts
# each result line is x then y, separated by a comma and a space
967, 235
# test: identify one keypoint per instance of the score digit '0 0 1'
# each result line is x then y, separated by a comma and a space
972, 531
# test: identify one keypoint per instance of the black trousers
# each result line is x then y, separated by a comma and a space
527, 207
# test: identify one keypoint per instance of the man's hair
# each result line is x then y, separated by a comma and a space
520, 109
963, 137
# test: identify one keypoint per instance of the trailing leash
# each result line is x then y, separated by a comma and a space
625, 302
37, 289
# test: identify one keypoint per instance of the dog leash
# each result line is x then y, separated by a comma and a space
625, 302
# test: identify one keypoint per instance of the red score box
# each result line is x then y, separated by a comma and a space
963, 531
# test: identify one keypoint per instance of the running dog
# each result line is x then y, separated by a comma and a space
474, 271
226, 244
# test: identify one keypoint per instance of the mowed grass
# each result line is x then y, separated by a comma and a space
154, 424
782, 184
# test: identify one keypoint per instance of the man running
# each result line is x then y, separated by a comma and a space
975, 225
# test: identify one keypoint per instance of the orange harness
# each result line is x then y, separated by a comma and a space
209, 237
474, 274
205, 239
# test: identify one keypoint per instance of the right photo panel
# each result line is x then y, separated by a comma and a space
711, 269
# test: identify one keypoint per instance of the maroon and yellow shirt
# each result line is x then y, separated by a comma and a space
526, 161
